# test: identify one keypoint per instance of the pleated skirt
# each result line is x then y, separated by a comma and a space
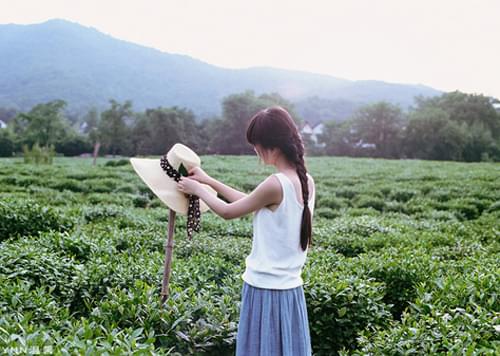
273, 322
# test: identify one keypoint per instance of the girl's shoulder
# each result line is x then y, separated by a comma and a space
272, 183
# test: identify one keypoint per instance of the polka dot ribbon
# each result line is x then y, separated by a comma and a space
193, 217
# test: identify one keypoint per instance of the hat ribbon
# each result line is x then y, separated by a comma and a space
193, 217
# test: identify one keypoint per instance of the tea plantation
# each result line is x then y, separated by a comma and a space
405, 260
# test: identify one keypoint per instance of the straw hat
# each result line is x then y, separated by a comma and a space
165, 186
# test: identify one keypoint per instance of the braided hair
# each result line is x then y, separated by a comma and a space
274, 127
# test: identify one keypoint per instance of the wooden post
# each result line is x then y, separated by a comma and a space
96, 151
169, 246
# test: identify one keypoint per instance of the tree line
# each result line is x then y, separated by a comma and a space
453, 126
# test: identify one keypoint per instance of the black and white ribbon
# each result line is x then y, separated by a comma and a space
193, 215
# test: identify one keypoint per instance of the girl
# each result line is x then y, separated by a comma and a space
273, 314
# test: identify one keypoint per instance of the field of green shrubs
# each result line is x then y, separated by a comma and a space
405, 260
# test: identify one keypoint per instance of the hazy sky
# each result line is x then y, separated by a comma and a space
446, 44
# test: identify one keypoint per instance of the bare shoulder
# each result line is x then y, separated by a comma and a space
312, 184
270, 190
271, 184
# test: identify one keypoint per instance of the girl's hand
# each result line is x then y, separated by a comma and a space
199, 175
188, 186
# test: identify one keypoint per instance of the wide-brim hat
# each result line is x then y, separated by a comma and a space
164, 186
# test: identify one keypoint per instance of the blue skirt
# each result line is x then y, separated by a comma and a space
273, 322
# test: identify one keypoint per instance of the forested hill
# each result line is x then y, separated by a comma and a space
59, 59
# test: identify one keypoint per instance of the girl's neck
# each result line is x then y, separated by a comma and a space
282, 165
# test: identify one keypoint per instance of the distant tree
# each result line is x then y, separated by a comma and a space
271, 99
140, 135
462, 107
380, 124
339, 138
471, 115
91, 120
190, 129
44, 123
209, 134
73, 144
156, 130
7, 114
72, 118
480, 144
112, 130
7, 143
92, 123
237, 111
431, 134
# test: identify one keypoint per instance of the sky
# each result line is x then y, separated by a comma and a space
446, 44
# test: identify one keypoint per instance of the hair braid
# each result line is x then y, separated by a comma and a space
306, 228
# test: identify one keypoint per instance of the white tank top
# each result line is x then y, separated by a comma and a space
276, 258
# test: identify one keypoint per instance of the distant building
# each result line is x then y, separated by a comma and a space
362, 144
83, 126
3, 125
313, 132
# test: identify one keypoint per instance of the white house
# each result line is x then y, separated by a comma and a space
313, 131
307, 129
362, 144
82, 127
3, 125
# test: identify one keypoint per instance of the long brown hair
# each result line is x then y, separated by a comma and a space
274, 127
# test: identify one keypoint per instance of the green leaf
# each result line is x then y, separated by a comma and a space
183, 171
342, 311
137, 332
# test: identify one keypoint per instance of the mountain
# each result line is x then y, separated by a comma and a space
59, 59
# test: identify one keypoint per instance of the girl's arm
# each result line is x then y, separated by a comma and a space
266, 193
230, 194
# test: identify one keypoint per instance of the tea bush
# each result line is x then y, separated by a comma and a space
27, 217
404, 260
